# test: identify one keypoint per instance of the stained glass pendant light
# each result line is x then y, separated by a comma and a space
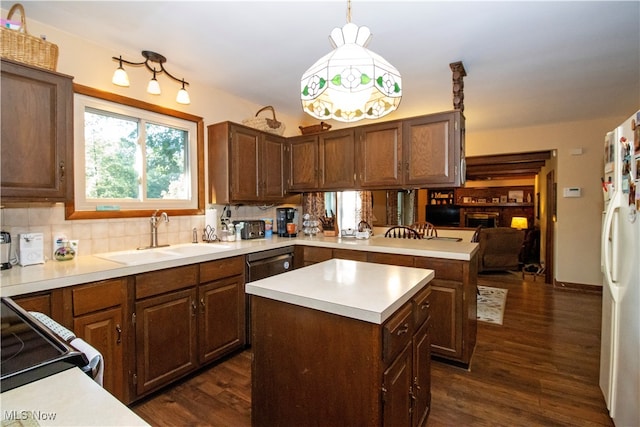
350, 83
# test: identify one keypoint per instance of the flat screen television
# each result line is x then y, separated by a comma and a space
443, 215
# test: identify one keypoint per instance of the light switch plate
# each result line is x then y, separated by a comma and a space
572, 192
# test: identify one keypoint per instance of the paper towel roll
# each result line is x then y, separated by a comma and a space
211, 218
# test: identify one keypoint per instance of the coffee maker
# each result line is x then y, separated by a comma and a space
5, 250
287, 222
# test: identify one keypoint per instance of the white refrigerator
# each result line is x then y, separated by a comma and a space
620, 339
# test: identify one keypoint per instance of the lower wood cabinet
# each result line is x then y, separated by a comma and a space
345, 371
99, 312
186, 317
222, 306
48, 303
165, 339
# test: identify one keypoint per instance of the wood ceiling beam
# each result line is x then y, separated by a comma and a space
509, 158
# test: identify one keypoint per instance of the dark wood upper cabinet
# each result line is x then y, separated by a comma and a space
336, 160
37, 134
424, 151
245, 165
432, 150
303, 163
379, 155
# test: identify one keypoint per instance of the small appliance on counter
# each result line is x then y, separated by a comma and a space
5, 250
30, 248
287, 222
251, 229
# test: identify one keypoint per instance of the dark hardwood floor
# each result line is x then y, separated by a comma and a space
540, 368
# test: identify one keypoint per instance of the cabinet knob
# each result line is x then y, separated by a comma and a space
202, 305
62, 171
193, 308
119, 331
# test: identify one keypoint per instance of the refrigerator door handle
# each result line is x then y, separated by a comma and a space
610, 249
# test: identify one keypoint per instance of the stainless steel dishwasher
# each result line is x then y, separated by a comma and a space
265, 264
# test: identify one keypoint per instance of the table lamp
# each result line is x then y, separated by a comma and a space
519, 222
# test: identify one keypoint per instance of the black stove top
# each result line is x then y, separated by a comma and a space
29, 351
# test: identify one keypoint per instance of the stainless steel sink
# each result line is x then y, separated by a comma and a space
146, 256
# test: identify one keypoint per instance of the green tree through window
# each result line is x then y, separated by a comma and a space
117, 147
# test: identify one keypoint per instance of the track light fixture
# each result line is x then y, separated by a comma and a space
154, 63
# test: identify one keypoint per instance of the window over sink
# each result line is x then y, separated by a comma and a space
131, 158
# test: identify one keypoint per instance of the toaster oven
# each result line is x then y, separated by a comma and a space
251, 229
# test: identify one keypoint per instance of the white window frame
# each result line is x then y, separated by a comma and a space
82, 206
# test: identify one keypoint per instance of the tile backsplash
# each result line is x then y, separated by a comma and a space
96, 236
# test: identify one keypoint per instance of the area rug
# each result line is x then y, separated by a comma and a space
491, 302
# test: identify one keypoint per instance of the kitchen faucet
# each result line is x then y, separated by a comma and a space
154, 221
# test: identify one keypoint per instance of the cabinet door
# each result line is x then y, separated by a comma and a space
165, 339
431, 147
379, 155
303, 163
37, 134
447, 313
396, 390
271, 164
421, 375
222, 317
103, 331
336, 160
244, 177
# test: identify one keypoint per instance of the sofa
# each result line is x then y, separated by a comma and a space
499, 249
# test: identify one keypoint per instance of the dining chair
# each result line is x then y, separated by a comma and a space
425, 229
402, 232
476, 235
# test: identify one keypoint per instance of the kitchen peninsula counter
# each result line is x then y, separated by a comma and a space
327, 340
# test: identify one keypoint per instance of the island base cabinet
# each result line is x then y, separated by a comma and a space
165, 339
396, 390
316, 368
421, 375
313, 368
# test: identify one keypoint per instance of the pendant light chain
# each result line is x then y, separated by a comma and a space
348, 11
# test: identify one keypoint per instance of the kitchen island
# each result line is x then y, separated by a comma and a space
341, 342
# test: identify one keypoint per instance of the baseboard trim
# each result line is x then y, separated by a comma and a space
577, 287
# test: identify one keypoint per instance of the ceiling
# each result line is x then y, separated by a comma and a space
527, 63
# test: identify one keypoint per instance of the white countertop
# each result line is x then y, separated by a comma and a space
84, 269
68, 398
358, 290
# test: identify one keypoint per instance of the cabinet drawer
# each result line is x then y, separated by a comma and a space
444, 269
97, 296
161, 281
349, 254
393, 259
397, 332
421, 304
214, 270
